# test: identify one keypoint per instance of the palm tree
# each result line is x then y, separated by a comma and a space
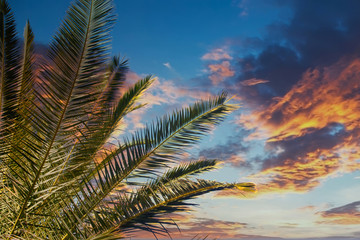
62, 176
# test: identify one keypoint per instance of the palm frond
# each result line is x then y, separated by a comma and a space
164, 141
160, 142
181, 171
101, 130
144, 210
79, 47
125, 105
83, 150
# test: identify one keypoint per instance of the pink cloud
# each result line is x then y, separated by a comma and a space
161, 92
217, 54
220, 71
253, 81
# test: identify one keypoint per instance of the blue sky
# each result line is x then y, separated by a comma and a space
293, 66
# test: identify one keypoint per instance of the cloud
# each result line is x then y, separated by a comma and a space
220, 71
348, 214
168, 93
167, 64
253, 82
231, 152
244, 8
216, 55
200, 228
163, 93
307, 113
310, 208
292, 46
311, 132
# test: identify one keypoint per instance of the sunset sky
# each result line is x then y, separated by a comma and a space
293, 66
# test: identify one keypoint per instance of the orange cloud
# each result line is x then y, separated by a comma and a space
298, 175
321, 97
217, 54
220, 71
345, 215
237, 194
312, 132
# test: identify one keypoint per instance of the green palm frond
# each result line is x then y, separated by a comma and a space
142, 209
147, 207
164, 141
78, 48
100, 131
181, 171
111, 119
166, 138
61, 174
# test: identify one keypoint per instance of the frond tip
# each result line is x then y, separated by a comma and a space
247, 187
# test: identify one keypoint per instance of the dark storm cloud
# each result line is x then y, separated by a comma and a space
319, 34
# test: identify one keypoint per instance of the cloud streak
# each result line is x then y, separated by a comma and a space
253, 81
205, 228
348, 214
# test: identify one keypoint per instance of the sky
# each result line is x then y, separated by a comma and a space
292, 66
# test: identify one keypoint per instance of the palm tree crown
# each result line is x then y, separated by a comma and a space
60, 177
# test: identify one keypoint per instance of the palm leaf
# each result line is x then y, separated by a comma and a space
144, 210
103, 126
181, 171
167, 137
78, 48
